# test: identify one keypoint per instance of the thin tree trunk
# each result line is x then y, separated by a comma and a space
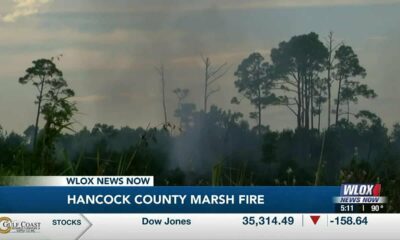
319, 117
259, 119
312, 102
211, 75
298, 104
38, 112
307, 97
180, 109
163, 96
320, 162
319, 109
206, 84
304, 102
259, 111
338, 101
329, 103
329, 84
160, 70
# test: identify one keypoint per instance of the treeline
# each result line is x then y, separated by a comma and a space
220, 148
215, 139
302, 75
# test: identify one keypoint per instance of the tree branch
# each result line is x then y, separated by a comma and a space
291, 109
213, 91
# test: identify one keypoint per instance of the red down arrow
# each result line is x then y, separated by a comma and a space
315, 219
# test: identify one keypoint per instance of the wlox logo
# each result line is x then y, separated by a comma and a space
360, 194
360, 190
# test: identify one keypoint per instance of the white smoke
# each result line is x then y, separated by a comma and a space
23, 8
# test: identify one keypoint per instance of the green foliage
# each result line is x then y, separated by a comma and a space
345, 70
42, 70
302, 54
43, 74
298, 63
54, 105
348, 64
255, 81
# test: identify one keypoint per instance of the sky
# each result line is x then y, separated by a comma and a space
110, 49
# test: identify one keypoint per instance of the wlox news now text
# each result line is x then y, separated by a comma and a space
360, 193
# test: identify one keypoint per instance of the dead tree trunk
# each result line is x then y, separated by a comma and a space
211, 75
160, 70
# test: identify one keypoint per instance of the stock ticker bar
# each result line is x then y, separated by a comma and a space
86, 208
202, 226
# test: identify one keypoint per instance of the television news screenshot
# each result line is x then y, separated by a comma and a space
199, 119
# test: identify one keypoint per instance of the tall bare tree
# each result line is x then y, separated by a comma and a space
320, 99
211, 75
330, 44
161, 71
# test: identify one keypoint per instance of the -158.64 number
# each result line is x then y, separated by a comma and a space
349, 220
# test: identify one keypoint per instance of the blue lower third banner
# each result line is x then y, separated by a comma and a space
168, 199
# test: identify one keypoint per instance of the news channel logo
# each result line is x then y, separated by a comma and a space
7, 225
360, 194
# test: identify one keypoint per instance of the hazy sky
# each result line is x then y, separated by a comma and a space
111, 47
